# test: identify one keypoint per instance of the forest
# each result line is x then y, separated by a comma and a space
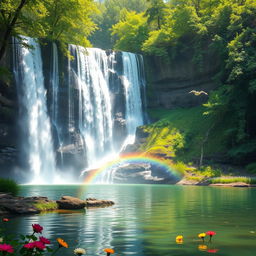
226, 29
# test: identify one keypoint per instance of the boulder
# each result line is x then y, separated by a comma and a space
93, 202
70, 202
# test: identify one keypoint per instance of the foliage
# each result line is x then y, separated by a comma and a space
110, 13
9, 186
131, 31
46, 206
191, 125
156, 12
26, 245
65, 20
209, 172
180, 167
251, 168
226, 180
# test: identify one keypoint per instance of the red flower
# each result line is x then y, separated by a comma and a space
5, 220
37, 244
29, 245
6, 248
212, 250
210, 233
44, 240
37, 228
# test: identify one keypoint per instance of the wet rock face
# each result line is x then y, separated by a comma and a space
171, 83
143, 174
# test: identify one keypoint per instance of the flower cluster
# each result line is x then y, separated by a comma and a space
201, 247
31, 244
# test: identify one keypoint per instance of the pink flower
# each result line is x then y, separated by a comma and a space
37, 228
6, 248
44, 240
37, 244
29, 245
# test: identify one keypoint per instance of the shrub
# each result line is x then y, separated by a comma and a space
9, 186
251, 168
209, 172
46, 206
226, 180
180, 167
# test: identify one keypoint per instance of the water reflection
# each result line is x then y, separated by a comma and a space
147, 218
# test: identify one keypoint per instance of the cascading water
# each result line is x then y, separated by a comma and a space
35, 121
134, 115
94, 108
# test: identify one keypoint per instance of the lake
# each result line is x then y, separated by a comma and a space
146, 219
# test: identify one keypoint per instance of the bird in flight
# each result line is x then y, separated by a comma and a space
197, 93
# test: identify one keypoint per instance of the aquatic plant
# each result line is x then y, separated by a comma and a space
202, 236
9, 186
211, 234
179, 239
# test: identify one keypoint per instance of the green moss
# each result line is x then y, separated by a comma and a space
46, 206
9, 186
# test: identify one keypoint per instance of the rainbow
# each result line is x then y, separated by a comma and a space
133, 158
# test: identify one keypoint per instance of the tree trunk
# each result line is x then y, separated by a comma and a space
10, 27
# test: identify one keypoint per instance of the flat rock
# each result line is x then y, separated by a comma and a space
93, 202
70, 202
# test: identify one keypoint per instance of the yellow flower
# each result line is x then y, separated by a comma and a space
202, 235
179, 239
202, 247
62, 243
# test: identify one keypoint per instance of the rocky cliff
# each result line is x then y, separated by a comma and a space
170, 82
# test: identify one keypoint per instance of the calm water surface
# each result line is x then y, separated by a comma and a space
146, 219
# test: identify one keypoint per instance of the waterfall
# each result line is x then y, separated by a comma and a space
134, 115
95, 104
95, 120
37, 140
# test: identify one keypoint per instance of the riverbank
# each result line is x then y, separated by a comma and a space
33, 205
219, 182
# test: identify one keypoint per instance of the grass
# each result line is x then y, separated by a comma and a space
179, 134
226, 180
46, 206
9, 186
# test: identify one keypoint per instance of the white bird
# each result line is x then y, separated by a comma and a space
197, 93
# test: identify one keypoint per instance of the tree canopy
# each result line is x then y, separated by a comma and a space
65, 20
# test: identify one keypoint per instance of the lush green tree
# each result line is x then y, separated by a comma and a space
131, 32
65, 20
156, 12
110, 14
17, 15
69, 21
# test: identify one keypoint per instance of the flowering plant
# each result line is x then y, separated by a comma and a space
28, 245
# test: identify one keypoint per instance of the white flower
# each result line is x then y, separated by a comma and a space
1, 239
79, 251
